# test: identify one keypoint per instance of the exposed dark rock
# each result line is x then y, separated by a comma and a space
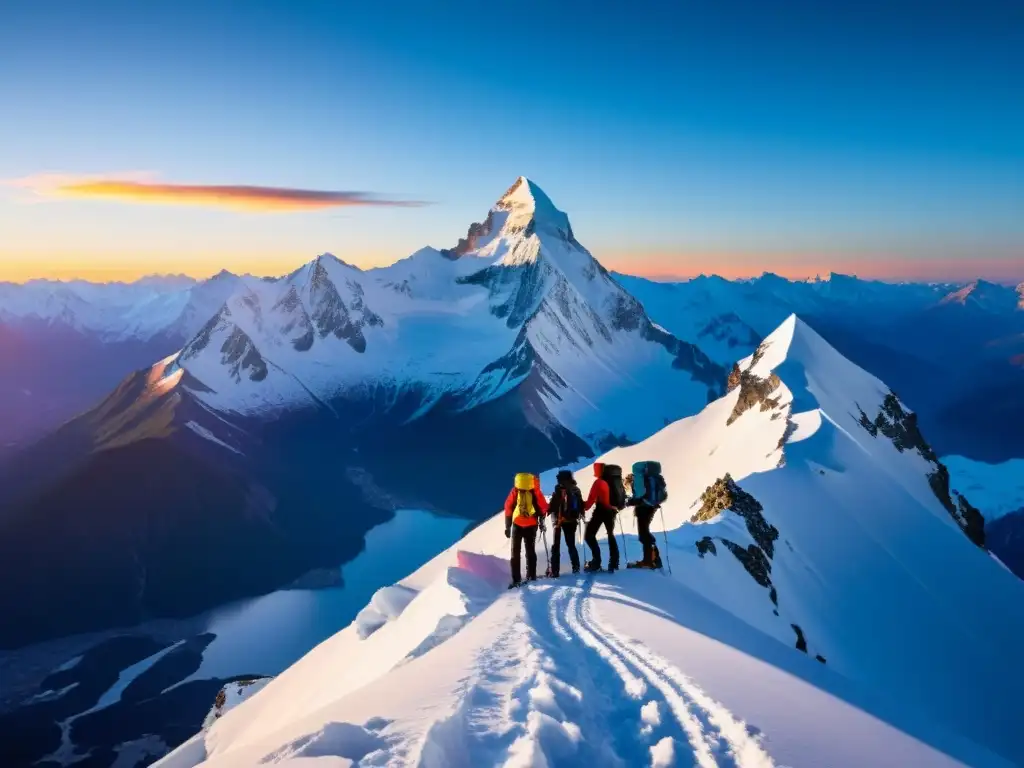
477, 231
735, 376
820, 658
753, 391
330, 315
241, 355
705, 545
900, 426
787, 433
297, 325
759, 353
726, 494
627, 313
801, 641
755, 562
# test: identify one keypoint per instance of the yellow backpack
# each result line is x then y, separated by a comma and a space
524, 496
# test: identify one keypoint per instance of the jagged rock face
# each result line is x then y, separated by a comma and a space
735, 377
893, 422
518, 289
756, 559
241, 356
477, 232
331, 316
238, 353
755, 391
725, 494
296, 324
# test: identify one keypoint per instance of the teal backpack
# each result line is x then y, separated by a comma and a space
648, 483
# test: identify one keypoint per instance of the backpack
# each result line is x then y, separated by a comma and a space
653, 492
612, 475
572, 504
524, 496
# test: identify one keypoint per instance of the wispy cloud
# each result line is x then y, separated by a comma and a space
237, 197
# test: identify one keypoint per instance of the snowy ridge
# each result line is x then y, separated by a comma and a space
788, 524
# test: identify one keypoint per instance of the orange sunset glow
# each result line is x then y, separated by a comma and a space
235, 197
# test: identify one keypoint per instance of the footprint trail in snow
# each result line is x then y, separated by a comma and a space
564, 688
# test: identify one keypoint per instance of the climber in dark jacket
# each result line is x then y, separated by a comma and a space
566, 510
644, 517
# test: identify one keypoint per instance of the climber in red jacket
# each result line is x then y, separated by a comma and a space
525, 509
604, 515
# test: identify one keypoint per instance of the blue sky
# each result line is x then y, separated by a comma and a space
679, 136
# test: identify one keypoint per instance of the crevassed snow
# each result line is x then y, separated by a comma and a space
995, 489
917, 670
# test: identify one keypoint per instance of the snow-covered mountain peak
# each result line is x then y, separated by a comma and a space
529, 208
813, 391
982, 294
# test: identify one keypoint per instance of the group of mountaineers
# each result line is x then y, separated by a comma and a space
526, 510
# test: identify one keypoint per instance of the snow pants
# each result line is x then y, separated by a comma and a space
644, 517
520, 535
569, 530
606, 518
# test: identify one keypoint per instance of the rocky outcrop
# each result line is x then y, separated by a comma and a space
233, 694
724, 494
331, 316
900, 426
477, 232
735, 377
240, 354
754, 391
801, 642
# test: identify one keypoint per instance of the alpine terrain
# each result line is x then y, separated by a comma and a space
828, 600
306, 409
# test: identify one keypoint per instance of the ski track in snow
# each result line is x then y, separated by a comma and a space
547, 694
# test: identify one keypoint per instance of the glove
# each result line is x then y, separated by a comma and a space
543, 526
508, 532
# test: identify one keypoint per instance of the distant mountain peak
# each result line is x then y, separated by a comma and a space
985, 295
529, 207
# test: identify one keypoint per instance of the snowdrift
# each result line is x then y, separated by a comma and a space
828, 605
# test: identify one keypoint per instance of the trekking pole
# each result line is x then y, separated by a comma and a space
664, 532
547, 552
622, 538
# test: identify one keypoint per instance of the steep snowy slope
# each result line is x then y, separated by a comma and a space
822, 609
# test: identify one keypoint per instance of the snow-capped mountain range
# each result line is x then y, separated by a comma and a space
822, 609
336, 388
519, 305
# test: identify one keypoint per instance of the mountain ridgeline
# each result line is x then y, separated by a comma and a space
306, 409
